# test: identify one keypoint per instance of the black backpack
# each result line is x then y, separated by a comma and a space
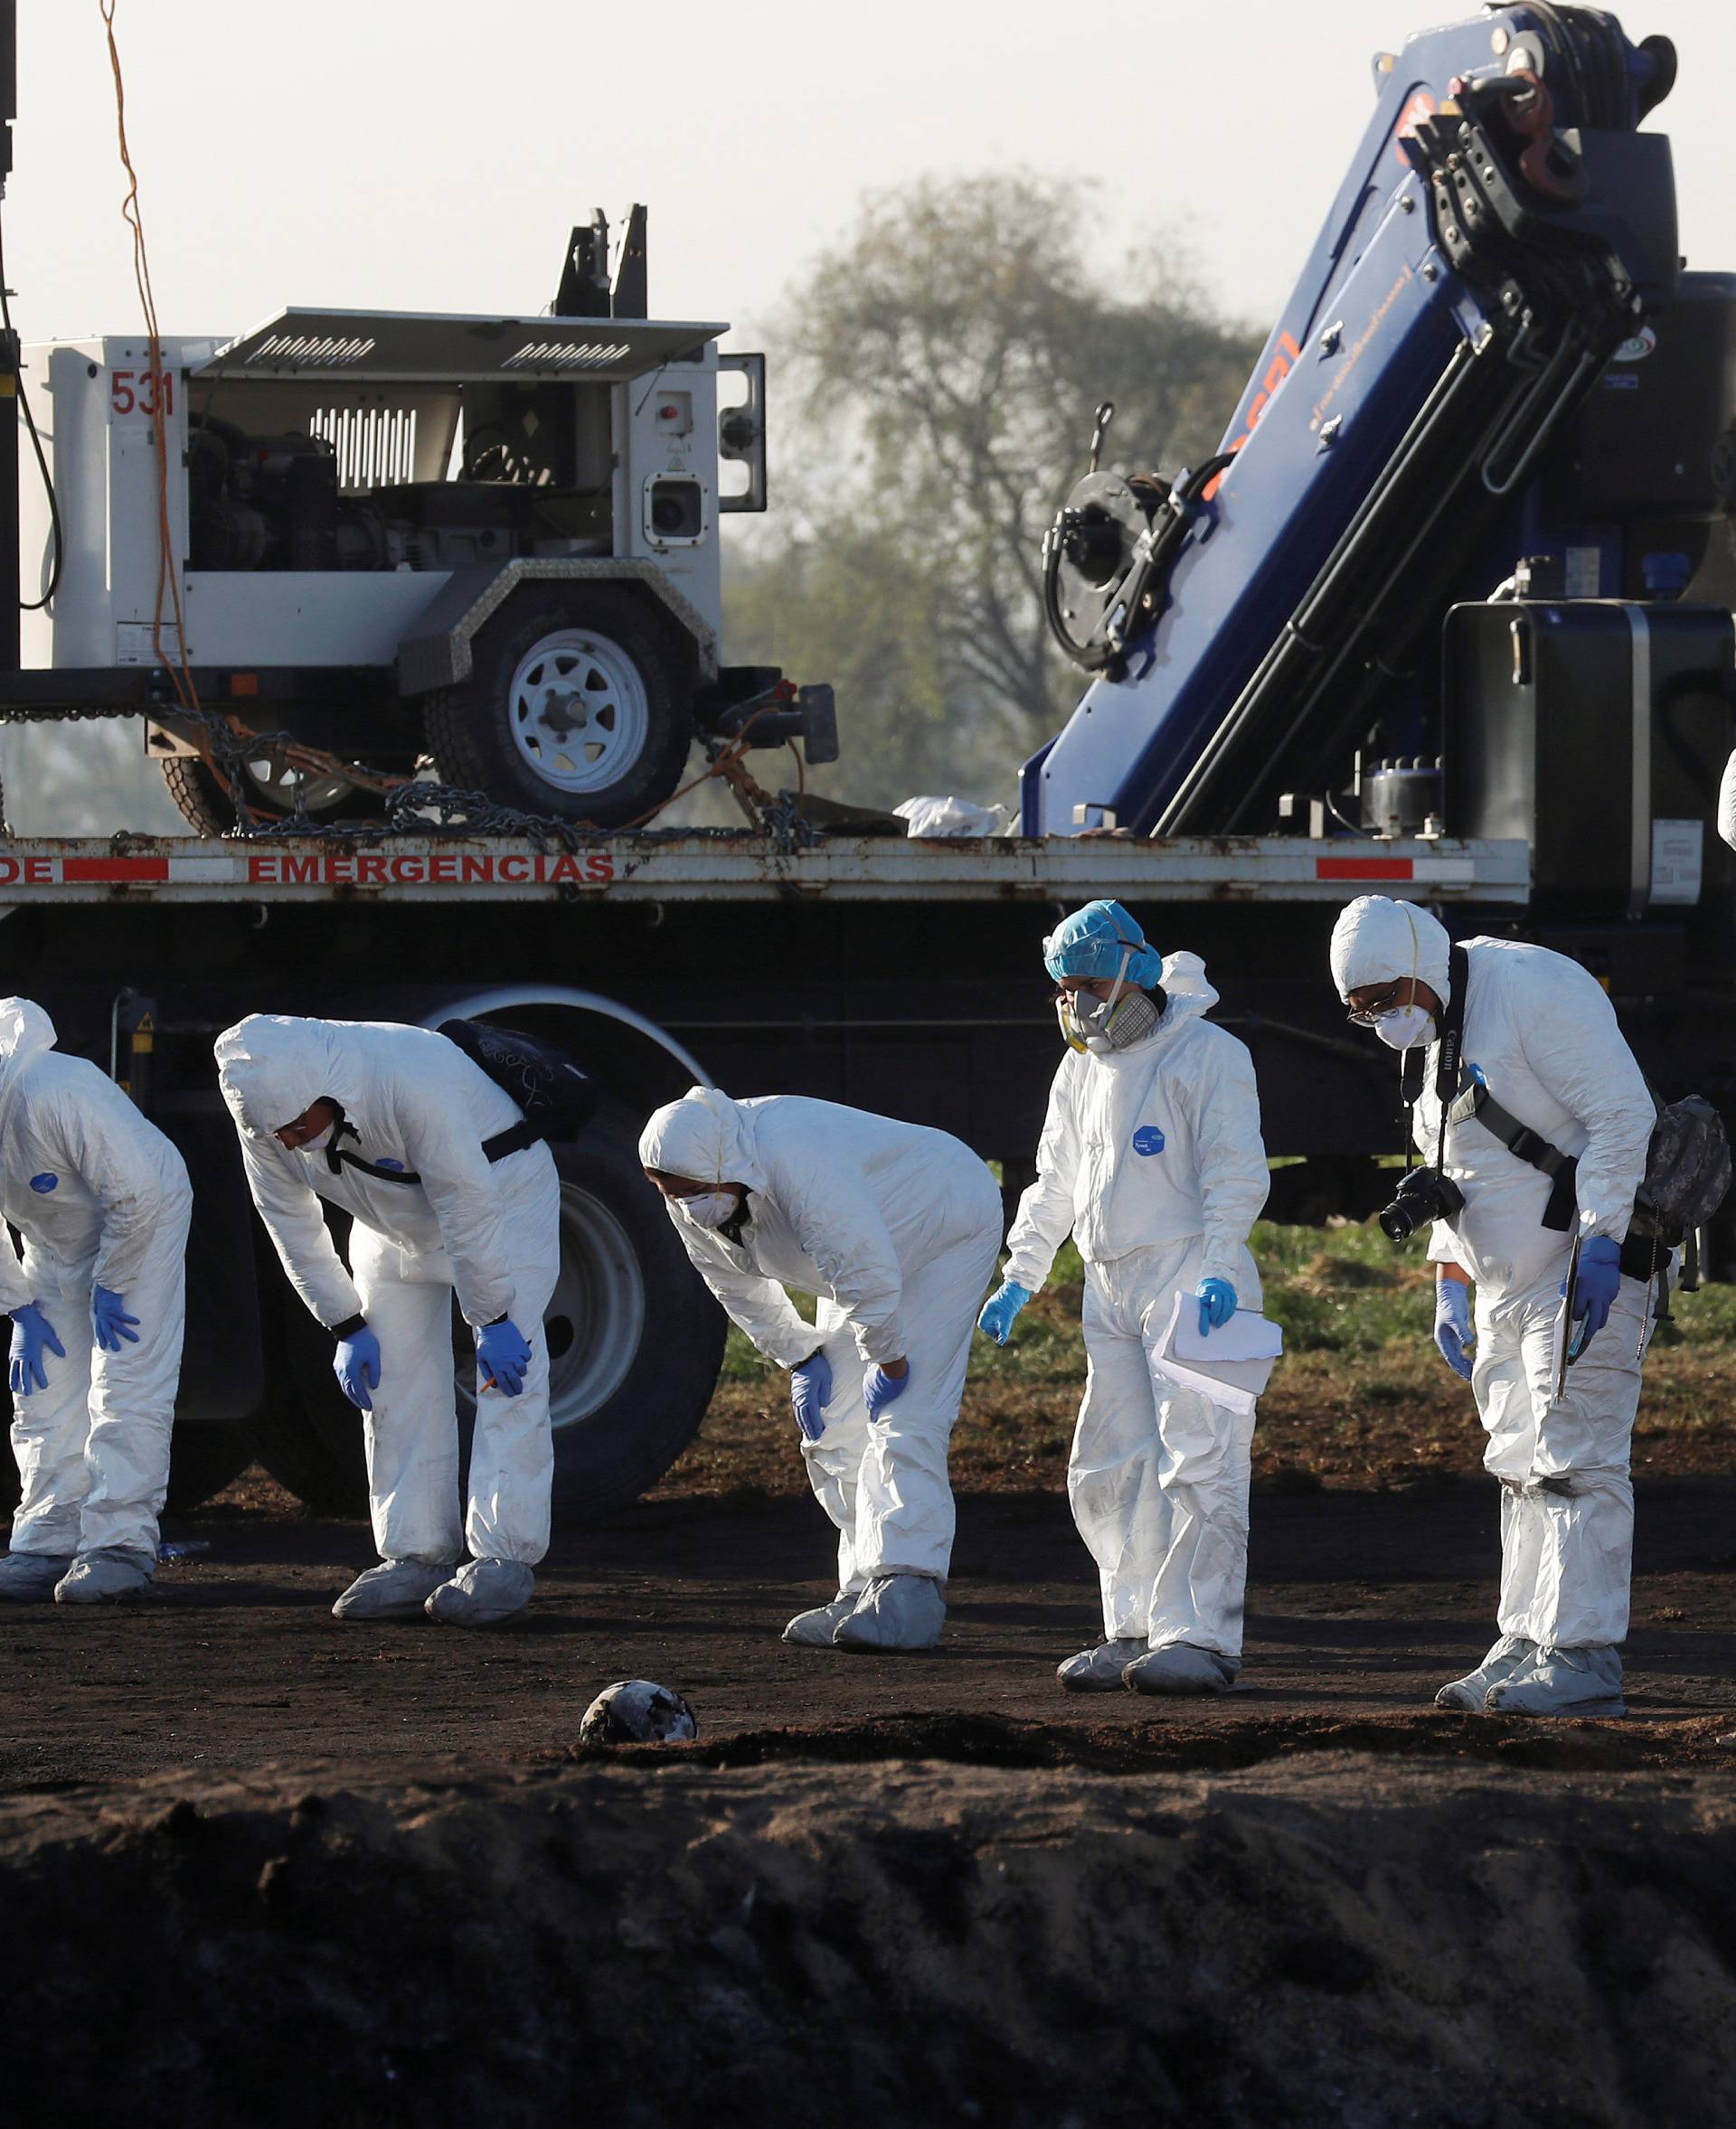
558, 1100
1687, 1174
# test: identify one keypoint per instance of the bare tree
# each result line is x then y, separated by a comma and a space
951, 351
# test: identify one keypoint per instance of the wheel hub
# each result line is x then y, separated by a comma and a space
282, 786
578, 710
595, 1317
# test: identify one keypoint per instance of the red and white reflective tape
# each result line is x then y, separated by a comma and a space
702, 867
335, 865
1456, 869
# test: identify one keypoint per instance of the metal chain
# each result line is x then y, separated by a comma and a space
405, 804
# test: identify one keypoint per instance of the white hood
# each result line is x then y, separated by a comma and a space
25, 1032
1377, 940
1187, 986
705, 1138
273, 1068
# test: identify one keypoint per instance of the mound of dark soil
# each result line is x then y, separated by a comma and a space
1343, 1940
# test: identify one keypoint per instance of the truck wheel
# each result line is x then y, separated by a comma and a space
204, 797
577, 706
310, 1434
635, 1337
205, 1455
634, 1343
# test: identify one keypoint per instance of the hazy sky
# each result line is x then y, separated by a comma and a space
374, 152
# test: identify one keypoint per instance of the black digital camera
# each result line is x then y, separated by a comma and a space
1425, 1194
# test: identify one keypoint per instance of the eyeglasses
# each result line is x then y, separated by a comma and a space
1365, 1016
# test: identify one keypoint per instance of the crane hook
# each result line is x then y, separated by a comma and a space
1105, 415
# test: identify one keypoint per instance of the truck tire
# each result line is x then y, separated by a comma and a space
310, 1434
204, 797
635, 1344
578, 706
205, 1455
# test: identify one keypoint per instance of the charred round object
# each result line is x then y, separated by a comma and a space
634, 1711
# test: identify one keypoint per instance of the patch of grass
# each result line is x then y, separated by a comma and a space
1343, 1289
1361, 1398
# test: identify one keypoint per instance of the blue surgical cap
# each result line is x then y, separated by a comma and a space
1092, 941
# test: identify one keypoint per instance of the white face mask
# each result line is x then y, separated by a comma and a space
1405, 1026
710, 1208
318, 1145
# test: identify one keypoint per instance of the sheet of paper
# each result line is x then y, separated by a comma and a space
1235, 1384
1247, 1336
1558, 1357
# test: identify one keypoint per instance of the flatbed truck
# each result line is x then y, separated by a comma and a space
900, 975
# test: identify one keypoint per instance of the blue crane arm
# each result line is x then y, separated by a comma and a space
1503, 227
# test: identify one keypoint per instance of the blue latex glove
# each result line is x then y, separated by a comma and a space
880, 1389
810, 1391
356, 1365
1453, 1325
1001, 1310
110, 1321
1596, 1285
1217, 1299
503, 1354
32, 1335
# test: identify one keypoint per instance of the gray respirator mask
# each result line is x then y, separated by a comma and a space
1104, 1025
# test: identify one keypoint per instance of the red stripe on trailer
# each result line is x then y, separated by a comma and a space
1364, 868
110, 871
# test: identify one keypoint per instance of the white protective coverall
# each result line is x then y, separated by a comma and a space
1544, 1036
895, 1227
489, 1230
101, 1199
1151, 1156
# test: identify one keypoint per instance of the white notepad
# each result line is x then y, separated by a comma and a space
1232, 1365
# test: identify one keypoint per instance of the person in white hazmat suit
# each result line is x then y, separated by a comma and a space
400, 1128
1540, 1038
98, 1309
895, 1227
1151, 1158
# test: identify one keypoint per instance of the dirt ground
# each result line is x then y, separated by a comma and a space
1358, 1606
1340, 1942
261, 1868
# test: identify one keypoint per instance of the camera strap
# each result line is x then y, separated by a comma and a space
1460, 1103
1448, 1055
1531, 1147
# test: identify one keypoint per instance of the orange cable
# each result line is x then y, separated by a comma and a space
180, 672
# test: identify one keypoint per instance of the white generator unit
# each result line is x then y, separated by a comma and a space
485, 543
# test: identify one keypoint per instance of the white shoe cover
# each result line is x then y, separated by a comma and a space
28, 1577
1178, 1667
1564, 1681
894, 1612
1468, 1694
103, 1577
395, 1589
1099, 1670
482, 1593
815, 1629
